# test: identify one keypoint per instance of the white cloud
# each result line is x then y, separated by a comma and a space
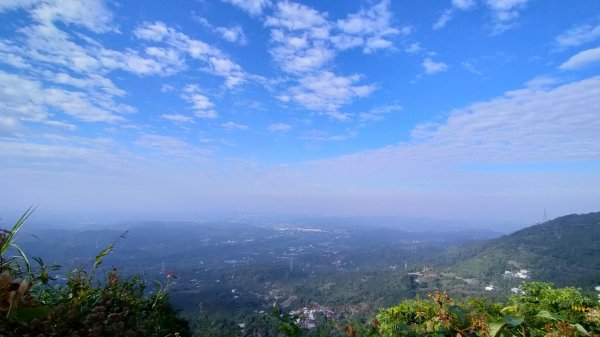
444, 19
154, 31
530, 124
413, 48
300, 36
167, 88
279, 127
171, 146
92, 82
582, 59
156, 61
254, 7
7, 5
305, 43
233, 34
504, 13
327, 92
578, 35
369, 27
322, 136
431, 67
448, 14
230, 126
46, 45
9, 56
231, 71
294, 16
378, 113
201, 104
27, 100
299, 55
468, 66
484, 153
463, 4
178, 118
542, 82
91, 14
69, 154
218, 63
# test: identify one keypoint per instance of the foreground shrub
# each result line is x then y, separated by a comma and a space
30, 306
540, 310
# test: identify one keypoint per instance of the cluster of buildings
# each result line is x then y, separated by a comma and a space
522, 274
307, 318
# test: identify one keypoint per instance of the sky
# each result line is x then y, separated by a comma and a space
462, 109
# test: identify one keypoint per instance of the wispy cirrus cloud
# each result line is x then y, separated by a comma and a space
231, 126
578, 35
200, 104
378, 113
443, 19
279, 127
28, 100
582, 59
217, 62
171, 147
504, 13
448, 14
253, 7
178, 118
233, 34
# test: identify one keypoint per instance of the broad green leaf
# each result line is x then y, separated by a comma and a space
581, 329
496, 328
23, 256
102, 254
550, 315
514, 321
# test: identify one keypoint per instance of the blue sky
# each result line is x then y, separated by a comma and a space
468, 109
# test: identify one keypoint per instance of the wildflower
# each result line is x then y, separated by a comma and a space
112, 278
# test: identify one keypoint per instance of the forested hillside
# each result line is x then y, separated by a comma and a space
565, 251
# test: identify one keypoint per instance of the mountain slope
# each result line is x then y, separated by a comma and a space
565, 251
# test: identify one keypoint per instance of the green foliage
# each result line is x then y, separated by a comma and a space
11, 264
31, 306
541, 310
439, 315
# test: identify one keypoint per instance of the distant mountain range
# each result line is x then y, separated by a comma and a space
565, 251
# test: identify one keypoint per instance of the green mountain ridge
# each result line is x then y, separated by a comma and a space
565, 251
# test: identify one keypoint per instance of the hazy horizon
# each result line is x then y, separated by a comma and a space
470, 110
